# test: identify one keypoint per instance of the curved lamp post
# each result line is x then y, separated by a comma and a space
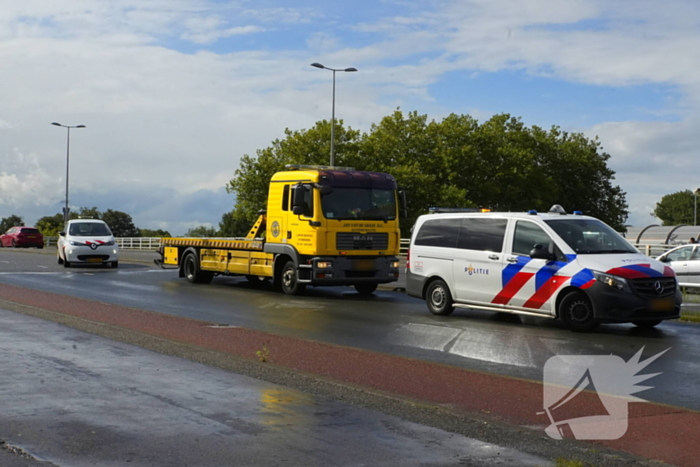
318, 65
68, 127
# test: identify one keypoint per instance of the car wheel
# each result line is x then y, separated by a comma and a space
576, 312
14, 244
439, 299
290, 282
59, 260
114, 265
41, 247
365, 289
647, 324
190, 268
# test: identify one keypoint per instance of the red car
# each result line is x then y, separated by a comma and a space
22, 237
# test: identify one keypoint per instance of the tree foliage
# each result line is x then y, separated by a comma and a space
10, 221
154, 233
676, 208
202, 231
499, 164
120, 223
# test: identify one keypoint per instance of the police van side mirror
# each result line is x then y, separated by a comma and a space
540, 252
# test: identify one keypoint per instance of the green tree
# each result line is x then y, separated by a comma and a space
10, 221
202, 231
50, 226
154, 233
89, 213
120, 223
676, 208
500, 164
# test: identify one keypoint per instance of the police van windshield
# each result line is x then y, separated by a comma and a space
89, 229
590, 236
359, 203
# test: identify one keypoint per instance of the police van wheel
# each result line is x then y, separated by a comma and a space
289, 280
576, 312
646, 324
365, 289
439, 298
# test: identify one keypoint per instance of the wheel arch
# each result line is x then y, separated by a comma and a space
432, 279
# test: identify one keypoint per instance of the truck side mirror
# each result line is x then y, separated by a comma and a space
297, 196
403, 205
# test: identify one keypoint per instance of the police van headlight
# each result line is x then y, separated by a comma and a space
617, 282
324, 264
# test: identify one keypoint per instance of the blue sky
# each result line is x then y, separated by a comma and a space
174, 92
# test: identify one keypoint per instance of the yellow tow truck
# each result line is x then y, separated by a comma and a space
323, 226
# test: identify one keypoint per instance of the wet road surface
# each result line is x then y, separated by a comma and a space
387, 322
75, 399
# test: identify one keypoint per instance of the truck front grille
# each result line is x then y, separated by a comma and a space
653, 287
362, 241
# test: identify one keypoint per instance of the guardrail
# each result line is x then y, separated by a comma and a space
151, 243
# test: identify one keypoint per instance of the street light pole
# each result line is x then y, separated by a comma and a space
67, 127
318, 65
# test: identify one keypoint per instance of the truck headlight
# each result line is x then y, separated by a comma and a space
618, 282
324, 264
394, 264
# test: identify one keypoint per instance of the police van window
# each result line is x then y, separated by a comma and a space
526, 236
285, 198
482, 234
439, 232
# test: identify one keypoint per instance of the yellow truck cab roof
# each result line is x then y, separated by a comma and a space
337, 177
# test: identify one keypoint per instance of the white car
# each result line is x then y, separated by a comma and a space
685, 261
87, 241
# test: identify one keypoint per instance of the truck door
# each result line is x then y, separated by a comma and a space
277, 213
478, 259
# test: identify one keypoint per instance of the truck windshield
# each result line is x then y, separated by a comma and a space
590, 236
359, 203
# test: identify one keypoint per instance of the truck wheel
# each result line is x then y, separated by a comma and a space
439, 298
646, 324
365, 289
289, 280
190, 266
576, 312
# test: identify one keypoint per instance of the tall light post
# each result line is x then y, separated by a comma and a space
67, 127
318, 65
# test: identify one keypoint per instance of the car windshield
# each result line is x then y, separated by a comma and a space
89, 229
590, 236
359, 203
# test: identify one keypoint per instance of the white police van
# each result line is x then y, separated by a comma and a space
556, 265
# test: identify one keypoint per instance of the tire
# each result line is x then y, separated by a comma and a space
59, 260
14, 244
115, 265
576, 312
365, 289
190, 266
647, 324
289, 280
41, 247
438, 298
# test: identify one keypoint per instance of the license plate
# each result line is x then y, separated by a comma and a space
363, 265
94, 260
662, 304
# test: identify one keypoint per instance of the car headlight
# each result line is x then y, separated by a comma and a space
618, 282
74, 243
324, 264
109, 243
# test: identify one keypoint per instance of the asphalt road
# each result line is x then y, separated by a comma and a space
387, 322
